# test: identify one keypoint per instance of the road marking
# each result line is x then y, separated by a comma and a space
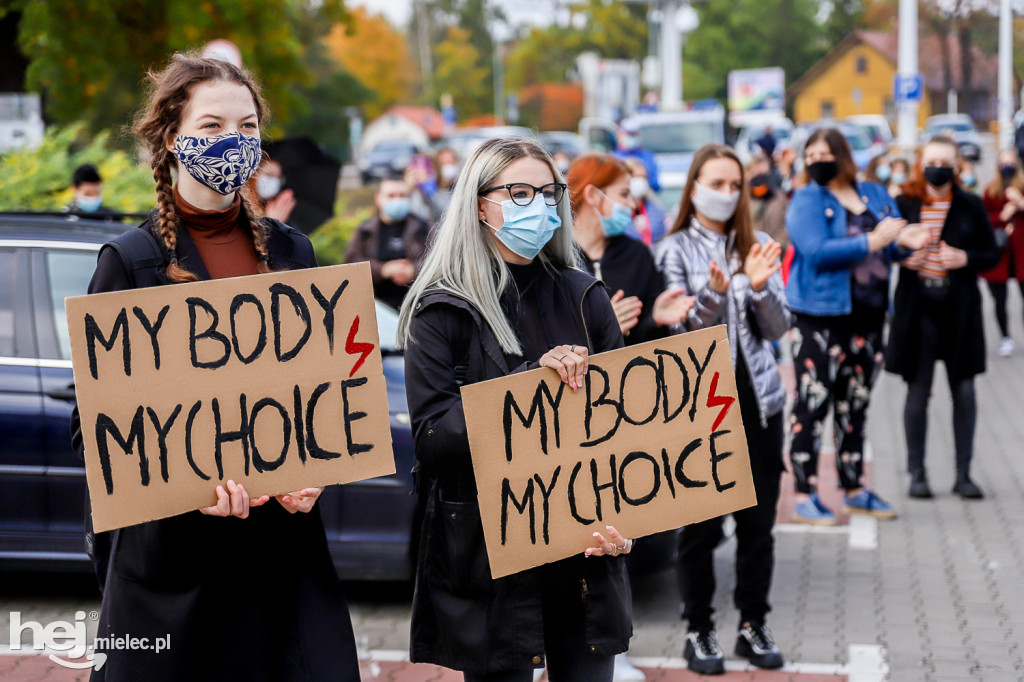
862, 530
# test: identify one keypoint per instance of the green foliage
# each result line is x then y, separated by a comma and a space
331, 239
40, 179
461, 70
745, 34
89, 57
615, 30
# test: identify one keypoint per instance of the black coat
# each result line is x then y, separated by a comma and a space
627, 264
252, 599
462, 618
967, 227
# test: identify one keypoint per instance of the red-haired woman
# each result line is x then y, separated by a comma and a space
713, 252
937, 308
603, 210
1004, 201
244, 589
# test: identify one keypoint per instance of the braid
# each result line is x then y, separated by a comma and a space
167, 217
259, 234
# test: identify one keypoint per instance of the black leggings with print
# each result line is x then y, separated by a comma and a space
837, 360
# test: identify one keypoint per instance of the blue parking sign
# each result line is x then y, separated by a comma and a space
908, 87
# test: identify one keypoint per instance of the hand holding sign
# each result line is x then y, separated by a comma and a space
301, 500
653, 441
569, 361
234, 502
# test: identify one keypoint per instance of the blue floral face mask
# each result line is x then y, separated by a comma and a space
221, 162
527, 229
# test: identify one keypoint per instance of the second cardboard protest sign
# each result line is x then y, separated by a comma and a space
653, 441
274, 380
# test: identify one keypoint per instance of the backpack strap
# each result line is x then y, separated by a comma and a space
141, 255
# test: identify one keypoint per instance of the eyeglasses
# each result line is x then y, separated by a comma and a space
522, 194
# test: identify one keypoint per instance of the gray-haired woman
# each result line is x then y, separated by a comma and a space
500, 292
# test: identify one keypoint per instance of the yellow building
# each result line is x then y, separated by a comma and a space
856, 77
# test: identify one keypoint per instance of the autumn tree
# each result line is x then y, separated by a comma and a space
460, 69
377, 56
89, 57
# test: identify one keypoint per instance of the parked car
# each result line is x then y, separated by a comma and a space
876, 127
746, 142
958, 126
386, 158
568, 143
674, 137
371, 525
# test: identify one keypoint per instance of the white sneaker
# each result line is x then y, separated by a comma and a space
1006, 347
626, 671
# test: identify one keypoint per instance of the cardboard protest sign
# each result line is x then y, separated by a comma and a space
274, 381
651, 442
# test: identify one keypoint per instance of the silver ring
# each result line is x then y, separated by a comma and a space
572, 348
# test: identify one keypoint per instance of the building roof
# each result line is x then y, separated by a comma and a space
425, 117
930, 61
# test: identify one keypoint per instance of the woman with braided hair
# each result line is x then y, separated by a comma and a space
245, 589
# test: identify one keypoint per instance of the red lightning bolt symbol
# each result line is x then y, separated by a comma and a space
723, 401
361, 349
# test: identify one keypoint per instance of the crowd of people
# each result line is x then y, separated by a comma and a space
510, 261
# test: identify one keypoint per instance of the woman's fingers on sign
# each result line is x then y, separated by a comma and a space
300, 500
570, 364
612, 545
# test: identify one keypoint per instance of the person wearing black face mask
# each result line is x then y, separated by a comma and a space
1004, 201
937, 308
845, 236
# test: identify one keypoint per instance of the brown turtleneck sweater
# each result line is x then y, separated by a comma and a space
223, 238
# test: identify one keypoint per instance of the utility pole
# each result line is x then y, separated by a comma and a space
671, 56
423, 38
907, 68
1005, 80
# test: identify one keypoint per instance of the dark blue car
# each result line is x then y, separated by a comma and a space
370, 524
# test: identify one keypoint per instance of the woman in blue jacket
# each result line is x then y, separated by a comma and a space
846, 235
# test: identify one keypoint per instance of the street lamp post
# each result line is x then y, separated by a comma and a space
1005, 79
907, 68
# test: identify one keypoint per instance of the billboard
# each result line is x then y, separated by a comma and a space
756, 94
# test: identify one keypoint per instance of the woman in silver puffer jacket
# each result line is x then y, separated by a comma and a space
714, 252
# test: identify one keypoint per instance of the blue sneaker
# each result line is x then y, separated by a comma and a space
814, 512
866, 502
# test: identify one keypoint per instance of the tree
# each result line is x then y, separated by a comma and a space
844, 17
88, 57
459, 69
614, 30
377, 56
553, 106
745, 34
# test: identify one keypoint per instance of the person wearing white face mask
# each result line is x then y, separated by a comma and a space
278, 202
393, 242
714, 253
599, 190
649, 218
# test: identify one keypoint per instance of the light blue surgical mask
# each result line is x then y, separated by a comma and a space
396, 209
527, 229
883, 173
89, 204
619, 221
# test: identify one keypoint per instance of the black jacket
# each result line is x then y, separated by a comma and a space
365, 246
462, 618
967, 227
627, 264
253, 599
